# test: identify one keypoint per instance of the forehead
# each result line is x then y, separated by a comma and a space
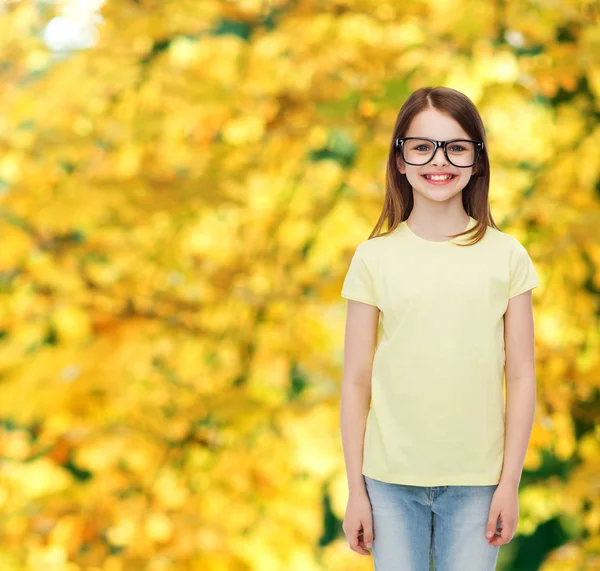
434, 124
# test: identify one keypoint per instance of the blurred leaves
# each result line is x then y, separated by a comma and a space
178, 207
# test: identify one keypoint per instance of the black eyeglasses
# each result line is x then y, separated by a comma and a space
418, 151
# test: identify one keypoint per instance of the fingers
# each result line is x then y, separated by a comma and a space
498, 536
368, 537
357, 544
361, 541
504, 536
492, 523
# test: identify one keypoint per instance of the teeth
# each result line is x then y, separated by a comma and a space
438, 177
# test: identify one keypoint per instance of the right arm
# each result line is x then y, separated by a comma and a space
359, 349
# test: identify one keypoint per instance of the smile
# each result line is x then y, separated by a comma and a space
439, 179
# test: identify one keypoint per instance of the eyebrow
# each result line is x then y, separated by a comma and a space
436, 139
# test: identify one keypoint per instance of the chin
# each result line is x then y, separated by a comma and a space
444, 198
437, 194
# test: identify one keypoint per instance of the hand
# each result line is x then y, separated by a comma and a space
358, 523
504, 506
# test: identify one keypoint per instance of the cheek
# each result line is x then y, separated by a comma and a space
412, 177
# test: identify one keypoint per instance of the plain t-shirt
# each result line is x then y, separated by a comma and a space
437, 409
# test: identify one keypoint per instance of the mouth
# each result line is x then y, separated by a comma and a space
439, 179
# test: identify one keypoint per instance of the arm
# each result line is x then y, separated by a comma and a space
520, 385
520, 411
359, 349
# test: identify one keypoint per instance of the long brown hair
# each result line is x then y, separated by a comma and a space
398, 201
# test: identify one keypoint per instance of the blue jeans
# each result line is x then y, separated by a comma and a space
410, 523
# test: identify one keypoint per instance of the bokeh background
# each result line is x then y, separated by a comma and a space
182, 186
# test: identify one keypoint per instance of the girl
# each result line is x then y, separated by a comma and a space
433, 466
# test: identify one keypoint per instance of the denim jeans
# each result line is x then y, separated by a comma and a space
413, 523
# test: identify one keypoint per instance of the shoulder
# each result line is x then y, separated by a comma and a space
374, 248
503, 240
508, 251
372, 253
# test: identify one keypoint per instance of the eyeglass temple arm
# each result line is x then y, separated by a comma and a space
437, 143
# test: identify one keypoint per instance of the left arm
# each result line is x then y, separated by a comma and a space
520, 385
520, 411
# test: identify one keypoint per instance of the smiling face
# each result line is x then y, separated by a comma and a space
433, 124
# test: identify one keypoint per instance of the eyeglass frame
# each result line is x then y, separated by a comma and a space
399, 146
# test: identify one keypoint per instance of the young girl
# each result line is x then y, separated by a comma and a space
433, 466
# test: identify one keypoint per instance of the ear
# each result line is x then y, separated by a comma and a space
400, 164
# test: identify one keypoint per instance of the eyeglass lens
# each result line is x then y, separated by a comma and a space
420, 152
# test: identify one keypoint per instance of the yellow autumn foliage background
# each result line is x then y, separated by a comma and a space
178, 207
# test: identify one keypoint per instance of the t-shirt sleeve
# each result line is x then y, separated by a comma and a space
523, 276
358, 283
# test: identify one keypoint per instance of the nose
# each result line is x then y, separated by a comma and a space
439, 158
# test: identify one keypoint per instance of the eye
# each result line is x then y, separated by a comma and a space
457, 148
